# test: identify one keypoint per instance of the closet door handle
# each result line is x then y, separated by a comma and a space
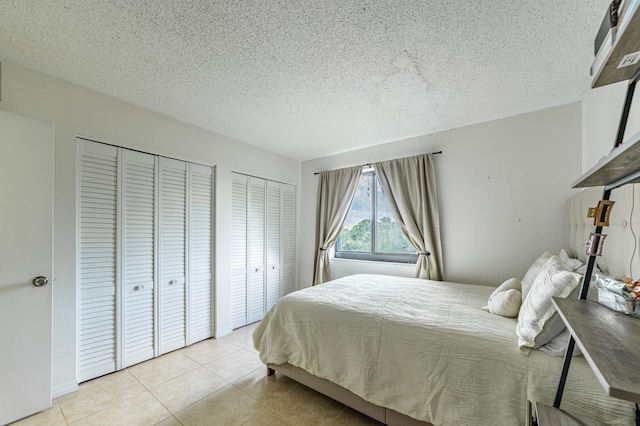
138, 287
40, 281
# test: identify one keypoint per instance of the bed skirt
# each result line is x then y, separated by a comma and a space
346, 397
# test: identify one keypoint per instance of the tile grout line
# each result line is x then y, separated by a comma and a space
241, 341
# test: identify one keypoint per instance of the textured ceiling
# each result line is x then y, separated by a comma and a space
309, 78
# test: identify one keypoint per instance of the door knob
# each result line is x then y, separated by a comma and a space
40, 281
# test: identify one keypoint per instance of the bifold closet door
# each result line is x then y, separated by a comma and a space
256, 250
145, 256
200, 294
272, 257
97, 259
239, 211
138, 260
287, 239
280, 241
262, 246
172, 246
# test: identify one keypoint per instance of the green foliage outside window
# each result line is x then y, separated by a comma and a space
389, 239
370, 205
358, 238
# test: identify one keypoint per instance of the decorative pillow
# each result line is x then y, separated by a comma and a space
558, 345
506, 303
532, 273
554, 325
506, 299
511, 283
593, 288
537, 308
570, 262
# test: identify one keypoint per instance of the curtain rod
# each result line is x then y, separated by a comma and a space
369, 164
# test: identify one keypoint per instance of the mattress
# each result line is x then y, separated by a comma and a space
425, 349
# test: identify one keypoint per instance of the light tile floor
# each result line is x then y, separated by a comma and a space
214, 382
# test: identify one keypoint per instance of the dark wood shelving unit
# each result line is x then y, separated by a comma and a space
547, 415
627, 41
620, 167
609, 340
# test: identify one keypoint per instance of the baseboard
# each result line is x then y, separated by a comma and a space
223, 332
63, 389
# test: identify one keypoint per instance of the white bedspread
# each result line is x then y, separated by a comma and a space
425, 349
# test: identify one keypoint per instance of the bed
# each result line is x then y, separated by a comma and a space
410, 351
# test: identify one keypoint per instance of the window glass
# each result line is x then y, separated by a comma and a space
358, 240
356, 231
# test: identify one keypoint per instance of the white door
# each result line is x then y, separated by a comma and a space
256, 234
272, 290
137, 264
26, 224
98, 254
239, 198
200, 273
172, 333
288, 239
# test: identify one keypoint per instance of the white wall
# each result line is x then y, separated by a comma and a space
501, 188
77, 111
601, 110
502, 184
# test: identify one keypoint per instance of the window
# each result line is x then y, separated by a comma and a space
384, 241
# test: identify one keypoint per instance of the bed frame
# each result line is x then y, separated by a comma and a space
616, 262
344, 396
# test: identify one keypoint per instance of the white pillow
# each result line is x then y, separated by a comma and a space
506, 299
558, 345
570, 262
553, 280
506, 303
511, 283
532, 273
554, 325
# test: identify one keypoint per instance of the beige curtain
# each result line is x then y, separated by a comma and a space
409, 185
336, 190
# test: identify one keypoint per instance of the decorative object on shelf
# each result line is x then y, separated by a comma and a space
609, 22
622, 296
606, 36
600, 214
617, 43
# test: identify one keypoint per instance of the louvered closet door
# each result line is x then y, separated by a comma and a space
98, 221
172, 235
138, 271
239, 198
200, 252
273, 243
256, 233
288, 239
